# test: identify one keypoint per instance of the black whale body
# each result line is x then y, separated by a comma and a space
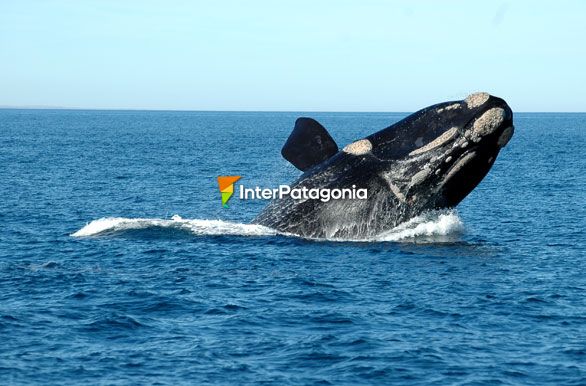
432, 159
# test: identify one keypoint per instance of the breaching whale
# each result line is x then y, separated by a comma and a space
430, 160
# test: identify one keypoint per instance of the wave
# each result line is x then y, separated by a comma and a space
436, 226
113, 225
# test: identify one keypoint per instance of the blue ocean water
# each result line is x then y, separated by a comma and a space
167, 287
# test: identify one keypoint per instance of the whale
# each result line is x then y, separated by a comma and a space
430, 160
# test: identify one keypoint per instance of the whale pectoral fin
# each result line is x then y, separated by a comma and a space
309, 144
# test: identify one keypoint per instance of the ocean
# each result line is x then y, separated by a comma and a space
119, 266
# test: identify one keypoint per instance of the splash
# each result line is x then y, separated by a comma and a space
438, 226
435, 226
110, 225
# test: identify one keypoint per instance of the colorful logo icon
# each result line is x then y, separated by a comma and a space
226, 184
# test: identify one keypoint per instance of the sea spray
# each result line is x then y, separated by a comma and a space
432, 226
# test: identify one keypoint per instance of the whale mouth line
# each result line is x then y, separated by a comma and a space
482, 125
460, 163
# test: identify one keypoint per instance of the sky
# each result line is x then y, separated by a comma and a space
298, 55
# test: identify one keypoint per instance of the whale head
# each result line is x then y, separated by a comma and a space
432, 159
441, 153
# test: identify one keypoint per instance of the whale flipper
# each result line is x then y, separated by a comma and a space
309, 144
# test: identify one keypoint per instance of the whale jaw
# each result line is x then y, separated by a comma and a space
431, 159
480, 145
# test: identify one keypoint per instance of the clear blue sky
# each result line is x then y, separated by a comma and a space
291, 55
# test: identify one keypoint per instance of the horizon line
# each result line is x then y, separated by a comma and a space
5, 107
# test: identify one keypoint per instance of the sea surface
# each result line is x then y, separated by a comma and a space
119, 266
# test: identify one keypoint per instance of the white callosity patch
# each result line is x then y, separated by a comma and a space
395, 189
390, 180
420, 176
359, 147
486, 124
442, 139
476, 99
505, 136
450, 107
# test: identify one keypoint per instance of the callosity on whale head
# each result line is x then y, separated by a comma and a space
432, 159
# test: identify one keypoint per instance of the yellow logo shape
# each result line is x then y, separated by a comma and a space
226, 184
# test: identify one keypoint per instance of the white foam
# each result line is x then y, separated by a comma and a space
197, 227
430, 227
